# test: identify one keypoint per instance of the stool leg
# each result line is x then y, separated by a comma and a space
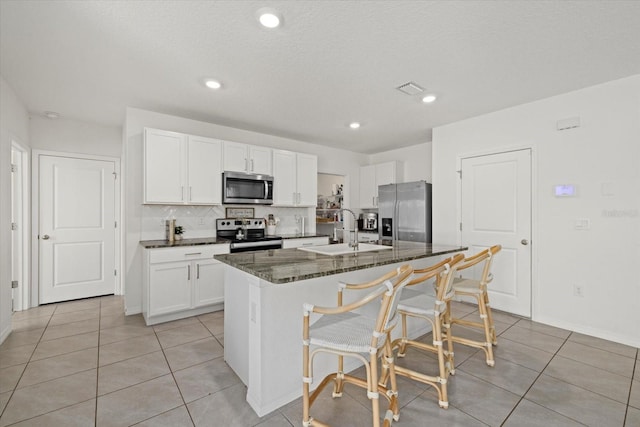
372, 391
492, 326
488, 345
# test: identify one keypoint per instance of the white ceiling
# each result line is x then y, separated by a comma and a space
331, 63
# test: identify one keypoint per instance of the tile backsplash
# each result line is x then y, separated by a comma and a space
200, 221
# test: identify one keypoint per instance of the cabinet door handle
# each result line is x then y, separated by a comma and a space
251, 165
294, 198
373, 201
193, 253
197, 271
182, 193
246, 165
188, 272
189, 192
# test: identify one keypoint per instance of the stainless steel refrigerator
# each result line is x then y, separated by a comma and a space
404, 211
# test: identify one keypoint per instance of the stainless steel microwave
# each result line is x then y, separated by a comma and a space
247, 188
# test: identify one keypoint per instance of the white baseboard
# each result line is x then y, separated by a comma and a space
632, 341
5, 333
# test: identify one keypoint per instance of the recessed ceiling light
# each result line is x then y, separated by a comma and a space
429, 99
51, 115
212, 84
269, 18
354, 125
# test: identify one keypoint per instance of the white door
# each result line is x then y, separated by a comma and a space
368, 187
496, 209
77, 228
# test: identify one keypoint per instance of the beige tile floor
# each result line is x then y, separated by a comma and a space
84, 363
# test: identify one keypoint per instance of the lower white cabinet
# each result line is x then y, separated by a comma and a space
182, 282
363, 236
304, 241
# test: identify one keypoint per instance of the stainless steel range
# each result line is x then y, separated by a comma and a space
246, 234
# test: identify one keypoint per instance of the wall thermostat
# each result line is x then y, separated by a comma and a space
566, 190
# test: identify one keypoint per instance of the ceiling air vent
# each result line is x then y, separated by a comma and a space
410, 88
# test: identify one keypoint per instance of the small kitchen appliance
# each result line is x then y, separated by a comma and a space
369, 222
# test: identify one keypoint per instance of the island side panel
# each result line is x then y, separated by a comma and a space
236, 320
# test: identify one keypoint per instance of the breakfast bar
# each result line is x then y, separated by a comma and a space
264, 293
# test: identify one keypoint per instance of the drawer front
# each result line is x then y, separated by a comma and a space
186, 253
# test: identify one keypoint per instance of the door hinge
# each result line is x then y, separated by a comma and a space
14, 168
14, 284
115, 224
115, 175
459, 173
14, 226
115, 272
460, 226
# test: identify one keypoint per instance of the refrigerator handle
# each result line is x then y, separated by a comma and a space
396, 227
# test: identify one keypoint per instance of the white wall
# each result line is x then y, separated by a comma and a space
14, 125
416, 161
73, 136
330, 160
605, 149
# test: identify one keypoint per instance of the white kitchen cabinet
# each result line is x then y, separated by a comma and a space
295, 179
247, 158
304, 241
372, 176
181, 169
182, 282
367, 237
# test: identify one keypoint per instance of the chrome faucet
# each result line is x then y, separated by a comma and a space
353, 244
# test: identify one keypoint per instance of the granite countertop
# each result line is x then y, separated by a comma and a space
290, 265
153, 244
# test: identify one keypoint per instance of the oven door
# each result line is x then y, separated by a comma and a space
255, 246
244, 188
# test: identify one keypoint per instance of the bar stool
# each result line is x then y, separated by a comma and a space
477, 288
343, 332
418, 304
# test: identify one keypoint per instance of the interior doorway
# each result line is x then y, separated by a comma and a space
19, 227
496, 208
76, 213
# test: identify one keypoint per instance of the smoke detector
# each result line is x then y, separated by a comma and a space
410, 88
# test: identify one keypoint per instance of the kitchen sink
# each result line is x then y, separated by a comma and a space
344, 249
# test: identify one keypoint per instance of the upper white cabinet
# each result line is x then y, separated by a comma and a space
181, 169
247, 158
295, 179
372, 176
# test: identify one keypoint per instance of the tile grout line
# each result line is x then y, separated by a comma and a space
27, 365
173, 376
95, 408
633, 375
533, 383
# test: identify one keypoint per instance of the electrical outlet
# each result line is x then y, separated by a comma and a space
578, 291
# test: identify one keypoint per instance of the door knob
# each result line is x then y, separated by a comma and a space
524, 241
45, 237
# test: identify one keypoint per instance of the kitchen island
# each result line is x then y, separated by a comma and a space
264, 293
